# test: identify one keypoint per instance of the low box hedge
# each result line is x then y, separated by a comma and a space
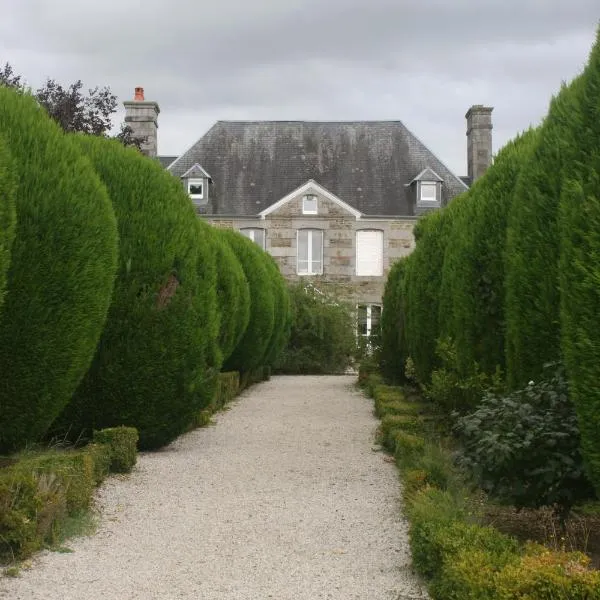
122, 442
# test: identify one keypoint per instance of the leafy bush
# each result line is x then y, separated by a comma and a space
322, 336
8, 215
406, 446
254, 344
122, 442
579, 267
227, 389
63, 262
523, 448
158, 356
233, 293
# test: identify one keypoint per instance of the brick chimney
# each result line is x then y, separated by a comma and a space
479, 140
141, 115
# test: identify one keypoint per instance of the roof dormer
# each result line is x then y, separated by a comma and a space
196, 182
427, 190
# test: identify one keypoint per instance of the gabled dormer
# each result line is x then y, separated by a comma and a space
196, 182
426, 191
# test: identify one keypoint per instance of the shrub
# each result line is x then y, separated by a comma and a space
254, 344
122, 442
322, 336
523, 448
158, 355
532, 247
233, 293
406, 446
227, 389
393, 344
8, 215
579, 268
60, 280
392, 423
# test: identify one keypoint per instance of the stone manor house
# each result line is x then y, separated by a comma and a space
333, 202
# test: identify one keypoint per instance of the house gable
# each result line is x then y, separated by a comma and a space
326, 204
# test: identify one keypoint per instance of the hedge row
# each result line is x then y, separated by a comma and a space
39, 492
459, 557
506, 279
121, 305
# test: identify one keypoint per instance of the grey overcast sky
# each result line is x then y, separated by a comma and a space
422, 62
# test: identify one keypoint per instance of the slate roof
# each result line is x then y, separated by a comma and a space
165, 161
365, 163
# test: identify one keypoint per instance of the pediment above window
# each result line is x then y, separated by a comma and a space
196, 183
427, 189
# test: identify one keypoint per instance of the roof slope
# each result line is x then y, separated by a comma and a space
365, 163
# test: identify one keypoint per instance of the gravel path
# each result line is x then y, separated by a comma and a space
284, 498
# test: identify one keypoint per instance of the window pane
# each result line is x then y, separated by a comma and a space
362, 319
303, 251
375, 319
259, 237
428, 191
369, 253
309, 205
317, 245
195, 188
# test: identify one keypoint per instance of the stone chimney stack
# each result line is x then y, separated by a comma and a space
479, 140
142, 115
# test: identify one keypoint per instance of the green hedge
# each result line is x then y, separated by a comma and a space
8, 215
393, 344
532, 247
40, 491
254, 344
233, 293
61, 274
579, 267
122, 442
158, 356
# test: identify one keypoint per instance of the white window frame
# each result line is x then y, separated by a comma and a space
306, 211
373, 273
250, 233
369, 308
428, 185
195, 181
309, 242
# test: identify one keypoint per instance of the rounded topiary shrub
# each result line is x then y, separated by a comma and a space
252, 348
233, 294
155, 362
8, 215
61, 274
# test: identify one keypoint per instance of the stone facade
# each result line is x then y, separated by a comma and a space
479, 140
142, 116
339, 227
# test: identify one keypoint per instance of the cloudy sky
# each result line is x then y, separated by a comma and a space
422, 62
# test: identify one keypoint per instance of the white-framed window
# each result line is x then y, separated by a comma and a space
428, 191
309, 205
368, 319
196, 188
309, 244
255, 234
369, 252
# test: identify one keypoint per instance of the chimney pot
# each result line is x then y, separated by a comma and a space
139, 94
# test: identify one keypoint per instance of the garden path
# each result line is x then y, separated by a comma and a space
283, 498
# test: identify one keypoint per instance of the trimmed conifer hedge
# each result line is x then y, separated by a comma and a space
233, 293
253, 347
580, 267
393, 343
8, 215
532, 248
155, 366
61, 274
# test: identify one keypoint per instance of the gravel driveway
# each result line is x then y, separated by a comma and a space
283, 498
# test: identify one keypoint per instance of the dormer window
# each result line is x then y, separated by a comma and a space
309, 205
428, 191
196, 189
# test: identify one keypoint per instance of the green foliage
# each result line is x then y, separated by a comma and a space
233, 293
473, 291
122, 442
453, 388
393, 343
8, 215
61, 274
158, 355
532, 247
227, 388
422, 285
523, 448
580, 268
254, 344
322, 338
